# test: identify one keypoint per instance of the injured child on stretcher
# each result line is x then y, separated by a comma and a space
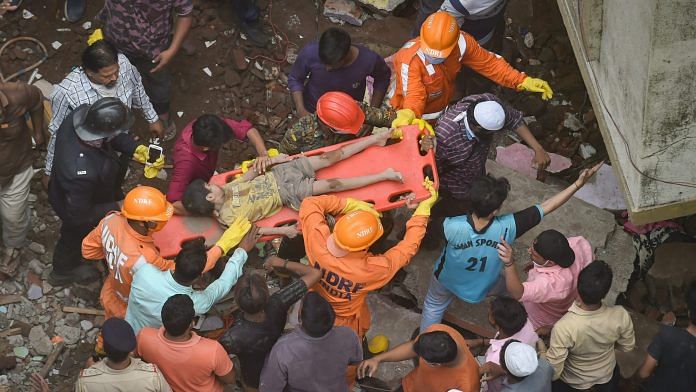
255, 196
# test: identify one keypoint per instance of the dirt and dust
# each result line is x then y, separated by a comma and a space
244, 82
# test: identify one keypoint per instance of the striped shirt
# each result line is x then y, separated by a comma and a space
459, 158
76, 89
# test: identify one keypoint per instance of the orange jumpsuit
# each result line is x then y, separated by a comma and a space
346, 281
122, 247
427, 88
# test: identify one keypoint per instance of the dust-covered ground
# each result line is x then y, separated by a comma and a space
246, 82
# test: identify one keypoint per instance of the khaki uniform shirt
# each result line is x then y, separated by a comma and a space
138, 376
582, 344
305, 134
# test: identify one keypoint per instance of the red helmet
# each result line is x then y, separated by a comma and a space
340, 112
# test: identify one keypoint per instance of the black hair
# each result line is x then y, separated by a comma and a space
509, 315
190, 261
113, 354
211, 131
594, 282
691, 302
99, 55
251, 293
177, 314
195, 201
487, 194
317, 315
436, 347
502, 360
334, 45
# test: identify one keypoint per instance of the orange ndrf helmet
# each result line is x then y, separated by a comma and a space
439, 35
147, 204
339, 111
355, 231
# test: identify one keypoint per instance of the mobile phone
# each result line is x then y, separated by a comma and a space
154, 152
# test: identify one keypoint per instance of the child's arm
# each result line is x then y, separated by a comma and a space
287, 231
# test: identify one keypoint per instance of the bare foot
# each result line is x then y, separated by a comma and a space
393, 175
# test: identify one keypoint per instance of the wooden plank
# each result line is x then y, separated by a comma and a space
478, 330
90, 311
9, 299
10, 332
57, 349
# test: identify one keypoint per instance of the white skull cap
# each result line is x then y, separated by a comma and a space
490, 115
521, 359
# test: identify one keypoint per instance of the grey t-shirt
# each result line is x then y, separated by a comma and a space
299, 362
539, 381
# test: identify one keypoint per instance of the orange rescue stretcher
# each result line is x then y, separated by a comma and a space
403, 156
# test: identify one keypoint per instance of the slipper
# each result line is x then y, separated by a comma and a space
10, 261
169, 131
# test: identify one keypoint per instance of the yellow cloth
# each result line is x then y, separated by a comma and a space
253, 200
97, 35
584, 343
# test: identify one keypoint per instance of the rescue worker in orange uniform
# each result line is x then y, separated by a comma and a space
124, 239
349, 271
427, 66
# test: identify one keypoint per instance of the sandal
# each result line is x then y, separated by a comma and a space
10, 261
169, 130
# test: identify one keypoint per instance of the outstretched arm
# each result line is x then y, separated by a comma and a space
401, 352
562, 197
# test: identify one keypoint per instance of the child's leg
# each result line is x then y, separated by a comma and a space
343, 184
332, 157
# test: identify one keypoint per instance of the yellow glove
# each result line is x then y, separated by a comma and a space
424, 207
151, 169
141, 154
97, 35
403, 117
536, 86
359, 205
424, 126
233, 235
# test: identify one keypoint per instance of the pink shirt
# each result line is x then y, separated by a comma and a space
190, 163
549, 291
526, 335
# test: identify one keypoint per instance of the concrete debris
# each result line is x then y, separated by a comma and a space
572, 122
382, 6
26, 14
39, 341
37, 248
21, 352
344, 10
56, 45
529, 39
36, 266
86, 325
586, 150
207, 71
35, 292
232, 78
71, 335
239, 60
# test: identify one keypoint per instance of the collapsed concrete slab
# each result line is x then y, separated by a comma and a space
575, 218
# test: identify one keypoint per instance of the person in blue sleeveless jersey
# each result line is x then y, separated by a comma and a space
469, 266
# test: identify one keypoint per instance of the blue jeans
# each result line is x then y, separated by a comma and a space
439, 299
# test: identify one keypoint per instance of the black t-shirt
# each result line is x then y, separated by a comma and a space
675, 352
251, 341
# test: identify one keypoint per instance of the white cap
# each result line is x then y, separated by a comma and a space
520, 359
490, 115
